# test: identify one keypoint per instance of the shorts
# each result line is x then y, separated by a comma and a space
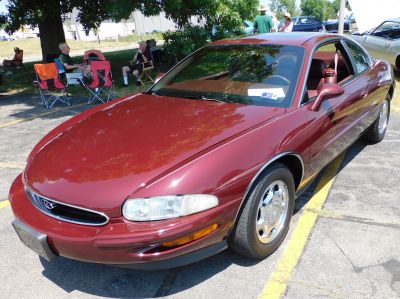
136, 67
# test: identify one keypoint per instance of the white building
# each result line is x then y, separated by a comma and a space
137, 23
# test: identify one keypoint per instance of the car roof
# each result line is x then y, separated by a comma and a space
393, 20
278, 38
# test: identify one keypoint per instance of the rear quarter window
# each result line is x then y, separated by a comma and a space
360, 58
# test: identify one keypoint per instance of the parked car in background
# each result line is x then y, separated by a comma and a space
305, 23
5, 38
333, 25
213, 155
248, 27
383, 42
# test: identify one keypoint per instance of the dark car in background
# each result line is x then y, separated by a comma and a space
333, 25
306, 23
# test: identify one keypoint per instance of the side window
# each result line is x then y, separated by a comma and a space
329, 64
361, 59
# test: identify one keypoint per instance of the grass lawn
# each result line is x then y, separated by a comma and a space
31, 46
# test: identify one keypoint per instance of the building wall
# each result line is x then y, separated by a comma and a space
150, 24
107, 30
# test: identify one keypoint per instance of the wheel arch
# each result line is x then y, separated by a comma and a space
397, 62
391, 90
291, 160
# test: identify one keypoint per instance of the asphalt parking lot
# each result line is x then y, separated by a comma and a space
344, 240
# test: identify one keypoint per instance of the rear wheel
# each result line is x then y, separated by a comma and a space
264, 220
376, 132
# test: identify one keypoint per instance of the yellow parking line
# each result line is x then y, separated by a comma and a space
4, 203
12, 165
277, 283
21, 120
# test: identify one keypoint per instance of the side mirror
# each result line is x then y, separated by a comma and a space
158, 77
326, 91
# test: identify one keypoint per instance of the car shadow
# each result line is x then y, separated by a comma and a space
29, 106
115, 282
350, 154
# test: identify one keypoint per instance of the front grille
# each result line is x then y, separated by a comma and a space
66, 212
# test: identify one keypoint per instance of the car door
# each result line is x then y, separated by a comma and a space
336, 124
309, 24
367, 77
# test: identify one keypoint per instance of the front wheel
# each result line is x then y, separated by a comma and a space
264, 220
376, 132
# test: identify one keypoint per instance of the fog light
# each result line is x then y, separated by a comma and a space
192, 237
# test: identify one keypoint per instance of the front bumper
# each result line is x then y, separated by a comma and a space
120, 242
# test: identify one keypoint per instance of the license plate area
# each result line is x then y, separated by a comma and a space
34, 240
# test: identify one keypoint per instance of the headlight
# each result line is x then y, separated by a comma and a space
165, 207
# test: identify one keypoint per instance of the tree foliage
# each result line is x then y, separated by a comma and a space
279, 7
214, 16
321, 9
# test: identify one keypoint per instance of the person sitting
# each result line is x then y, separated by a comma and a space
288, 24
70, 65
16, 61
136, 67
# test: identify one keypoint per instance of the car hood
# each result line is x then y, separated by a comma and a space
99, 161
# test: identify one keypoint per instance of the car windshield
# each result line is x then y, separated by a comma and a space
388, 30
263, 75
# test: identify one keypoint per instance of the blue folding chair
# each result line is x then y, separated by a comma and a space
72, 78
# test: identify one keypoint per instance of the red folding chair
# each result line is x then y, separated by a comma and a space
93, 55
50, 87
101, 88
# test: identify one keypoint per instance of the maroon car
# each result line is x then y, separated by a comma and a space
211, 156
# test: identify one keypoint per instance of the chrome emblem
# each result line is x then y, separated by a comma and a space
48, 204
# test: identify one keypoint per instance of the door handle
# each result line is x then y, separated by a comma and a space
364, 94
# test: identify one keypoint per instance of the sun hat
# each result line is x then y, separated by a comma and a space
287, 15
262, 8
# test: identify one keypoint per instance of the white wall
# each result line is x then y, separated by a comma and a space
370, 13
106, 30
149, 24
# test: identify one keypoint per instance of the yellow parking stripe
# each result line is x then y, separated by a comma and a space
12, 165
277, 283
21, 120
4, 203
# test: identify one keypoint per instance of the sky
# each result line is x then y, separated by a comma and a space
3, 6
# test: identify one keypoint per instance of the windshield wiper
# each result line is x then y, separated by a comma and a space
212, 99
204, 98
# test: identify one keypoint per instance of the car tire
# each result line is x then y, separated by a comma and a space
272, 195
376, 132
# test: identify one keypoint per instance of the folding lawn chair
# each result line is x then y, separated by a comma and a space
50, 87
147, 71
72, 78
93, 55
101, 88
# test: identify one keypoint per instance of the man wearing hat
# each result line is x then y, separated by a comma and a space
263, 22
288, 25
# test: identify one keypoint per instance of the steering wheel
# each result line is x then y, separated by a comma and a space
278, 78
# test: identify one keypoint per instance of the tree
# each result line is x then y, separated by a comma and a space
47, 15
313, 8
279, 7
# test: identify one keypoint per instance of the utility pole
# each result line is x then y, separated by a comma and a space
341, 16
